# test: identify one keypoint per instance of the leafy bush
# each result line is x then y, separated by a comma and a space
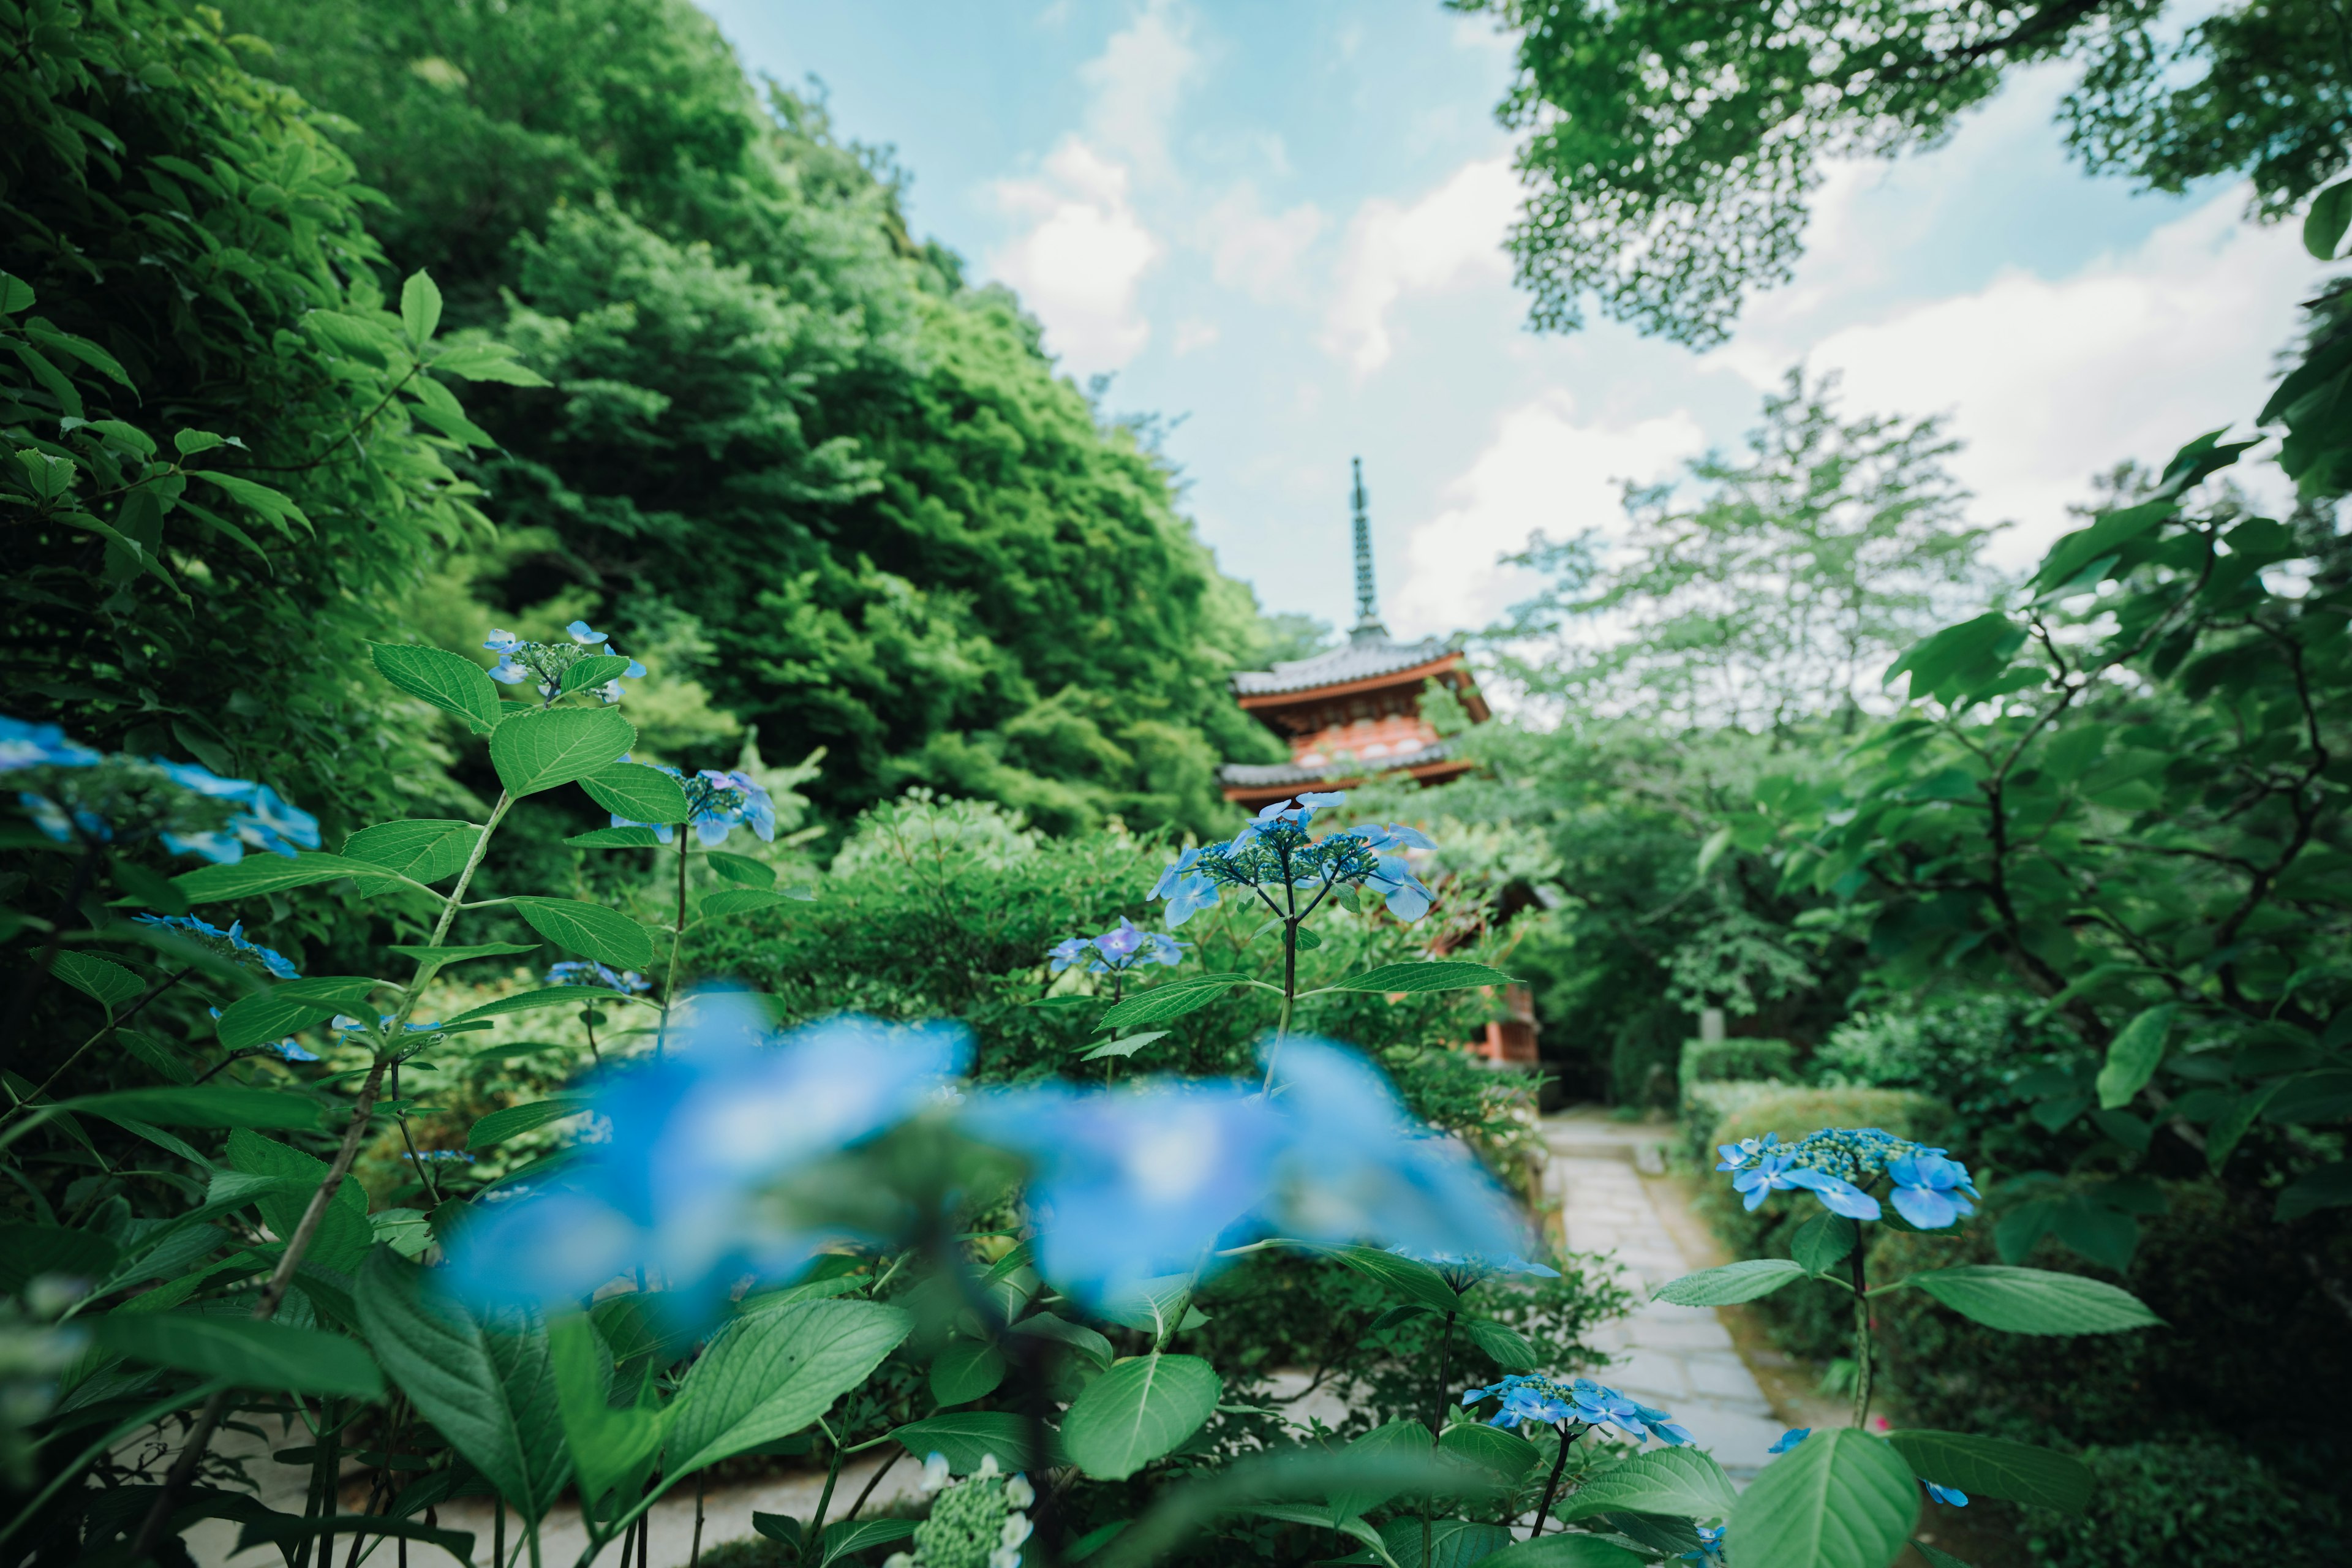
1714, 1061
2196, 1504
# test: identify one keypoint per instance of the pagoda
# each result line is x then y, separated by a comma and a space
1355, 711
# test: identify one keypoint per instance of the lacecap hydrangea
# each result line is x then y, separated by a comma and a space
1840, 1165
1276, 850
545, 666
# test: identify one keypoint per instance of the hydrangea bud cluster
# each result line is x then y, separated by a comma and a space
597, 976
543, 663
230, 944
1839, 1165
75, 795
1117, 950
717, 801
1276, 850
1582, 1400
980, 1524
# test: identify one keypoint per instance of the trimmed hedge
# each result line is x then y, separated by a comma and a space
2203, 1503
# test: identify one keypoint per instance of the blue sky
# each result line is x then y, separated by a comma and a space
1280, 225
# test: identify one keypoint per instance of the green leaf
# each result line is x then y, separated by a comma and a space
28, 1251
104, 981
535, 752
244, 1352
2133, 1056
967, 1370
607, 1445
420, 309
770, 1374
616, 839
423, 851
286, 1530
1437, 975
2035, 1300
854, 1535
738, 900
739, 868
1838, 1499
1139, 1410
1171, 999
1507, 1454
1993, 1466
1563, 1551
595, 670
532, 1001
2330, 214
1126, 1047
1732, 1282
258, 874
606, 935
1936, 1557
1823, 1242
2102, 538
1503, 1345
1409, 1276
448, 956
639, 793
2328, 1188
486, 362
1681, 1481
15, 294
189, 443
449, 681
200, 1105
513, 1121
1945, 664
2223, 1138
966, 1437
272, 1014
1452, 1543
1148, 1305
491, 1394
343, 1235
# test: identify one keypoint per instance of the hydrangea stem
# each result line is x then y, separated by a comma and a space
1290, 919
677, 946
1437, 1423
1861, 1342
1551, 1487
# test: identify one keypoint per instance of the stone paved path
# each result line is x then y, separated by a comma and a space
1680, 1359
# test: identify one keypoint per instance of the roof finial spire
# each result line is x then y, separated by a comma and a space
1368, 609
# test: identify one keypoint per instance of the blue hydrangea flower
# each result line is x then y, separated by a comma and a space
266, 821
1928, 1188
1549, 1401
1734, 1155
683, 1185
230, 944
501, 641
26, 745
290, 1050
1952, 1495
1275, 850
1841, 1197
542, 665
1187, 889
717, 802
1790, 1439
1710, 1545
1116, 950
584, 972
585, 635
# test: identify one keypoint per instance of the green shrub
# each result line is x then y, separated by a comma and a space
2202, 1503
1705, 1106
1722, 1061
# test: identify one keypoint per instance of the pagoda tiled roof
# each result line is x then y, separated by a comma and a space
1269, 775
1353, 660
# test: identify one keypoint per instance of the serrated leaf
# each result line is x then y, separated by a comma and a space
2133, 1056
1439, 974
423, 850
1838, 1499
596, 669
1945, 664
102, 980
854, 1536
606, 935
1171, 999
449, 681
546, 996
1564, 1551
1733, 1282
616, 839
1823, 1242
1409, 1276
2035, 1300
740, 868
200, 1105
1125, 1047
967, 1436
1504, 1344
1993, 1466
535, 752
447, 956
770, 1374
965, 1371
1505, 1453
1681, 1481
245, 1353
258, 874
513, 1121
1936, 1557
1137, 1411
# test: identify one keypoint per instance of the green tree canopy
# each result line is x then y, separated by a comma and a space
1672, 149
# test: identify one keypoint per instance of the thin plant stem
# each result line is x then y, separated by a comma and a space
825, 1498
677, 946
1289, 975
694, 1557
871, 1481
1437, 1423
1551, 1487
415, 1158
1861, 1342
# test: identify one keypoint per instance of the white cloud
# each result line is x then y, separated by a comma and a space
1079, 264
1193, 335
1544, 470
1257, 252
1135, 84
1449, 237
2049, 380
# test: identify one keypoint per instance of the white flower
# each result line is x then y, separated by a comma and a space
898, 1560
936, 1473
1004, 1557
1019, 1492
1016, 1530
987, 1468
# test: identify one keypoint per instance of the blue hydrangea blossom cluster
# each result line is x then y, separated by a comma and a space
543, 664
1117, 951
1276, 850
1837, 1164
231, 944
1548, 1402
717, 801
75, 795
1128, 1185
597, 976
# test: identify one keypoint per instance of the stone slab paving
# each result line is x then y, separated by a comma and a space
1678, 1358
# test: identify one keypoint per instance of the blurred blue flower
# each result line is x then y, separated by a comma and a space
25, 745
1734, 1155
1838, 1196
266, 821
440, 1157
585, 635
698, 1138
289, 1050
1790, 1439
1187, 890
230, 943
509, 671
1463, 1271
1550, 1401
1121, 948
1928, 1188
581, 971
1952, 1495
501, 641
1710, 1545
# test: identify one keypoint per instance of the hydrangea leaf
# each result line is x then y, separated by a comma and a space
1732, 1282
535, 752
616, 839
104, 981
739, 868
200, 1105
420, 308
966, 1437
1137, 1411
770, 1374
257, 874
244, 1352
513, 1121
1127, 1046
1564, 1551
424, 849
1993, 1466
2035, 1300
1838, 1499
2133, 1056
547, 996
1504, 1345
451, 681
1681, 1482
274, 1014
1409, 1276
1823, 1242
1507, 1453
606, 935
967, 1370
595, 670
1439, 974
1171, 999
447, 956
